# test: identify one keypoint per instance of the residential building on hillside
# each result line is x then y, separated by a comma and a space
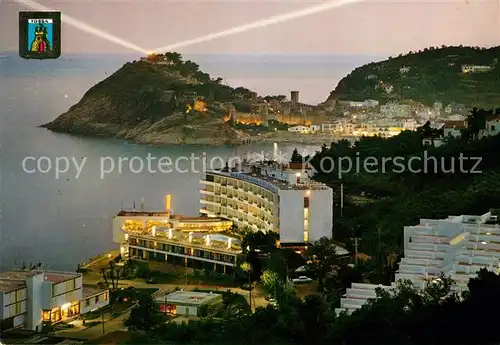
454, 128
458, 247
492, 125
475, 68
299, 129
32, 299
271, 197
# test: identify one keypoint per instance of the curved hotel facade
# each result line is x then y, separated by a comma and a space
270, 197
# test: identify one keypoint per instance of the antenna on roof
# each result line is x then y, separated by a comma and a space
142, 204
134, 205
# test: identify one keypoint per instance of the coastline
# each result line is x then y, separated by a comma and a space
243, 139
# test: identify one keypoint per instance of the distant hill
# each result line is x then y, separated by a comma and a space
426, 76
154, 101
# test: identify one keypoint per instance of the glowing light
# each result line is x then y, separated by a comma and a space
65, 306
83, 26
329, 5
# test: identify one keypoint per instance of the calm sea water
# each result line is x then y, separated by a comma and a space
60, 222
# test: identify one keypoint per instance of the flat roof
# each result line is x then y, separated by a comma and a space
89, 291
276, 183
56, 277
11, 285
124, 213
52, 276
189, 297
199, 219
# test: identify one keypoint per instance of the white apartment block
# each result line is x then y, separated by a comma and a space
299, 129
31, 299
458, 246
271, 197
492, 125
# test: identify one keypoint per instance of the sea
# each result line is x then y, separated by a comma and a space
61, 219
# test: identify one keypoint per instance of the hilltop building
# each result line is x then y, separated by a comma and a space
475, 68
32, 299
458, 246
271, 197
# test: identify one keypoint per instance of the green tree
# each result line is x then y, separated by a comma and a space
145, 315
323, 253
270, 280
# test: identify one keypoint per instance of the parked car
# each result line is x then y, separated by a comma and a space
152, 281
302, 279
246, 287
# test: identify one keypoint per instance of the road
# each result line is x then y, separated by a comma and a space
112, 325
258, 298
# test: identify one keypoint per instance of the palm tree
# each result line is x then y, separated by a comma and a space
247, 268
476, 121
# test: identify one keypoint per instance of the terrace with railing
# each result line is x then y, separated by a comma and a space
203, 241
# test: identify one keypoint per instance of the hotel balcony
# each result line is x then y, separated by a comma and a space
424, 254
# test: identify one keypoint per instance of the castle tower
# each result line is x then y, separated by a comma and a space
294, 97
232, 115
265, 115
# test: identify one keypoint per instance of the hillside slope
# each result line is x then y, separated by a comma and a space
430, 75
147, 103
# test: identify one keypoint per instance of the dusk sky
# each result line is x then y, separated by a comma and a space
366, 28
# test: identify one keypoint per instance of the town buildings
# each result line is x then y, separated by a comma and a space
271, 197
458, 246
32, 299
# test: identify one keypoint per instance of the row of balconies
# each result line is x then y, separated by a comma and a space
424, 254
267, 207
245, 190
238, 206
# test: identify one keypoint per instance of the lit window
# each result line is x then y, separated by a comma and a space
46, 315
106, 296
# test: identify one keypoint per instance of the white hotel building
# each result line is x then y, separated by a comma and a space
458, 246
271, 197
31, 299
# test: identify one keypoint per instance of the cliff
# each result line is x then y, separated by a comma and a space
434, 74
160, 101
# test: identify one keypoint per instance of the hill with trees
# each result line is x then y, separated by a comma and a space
434, 74
154, 101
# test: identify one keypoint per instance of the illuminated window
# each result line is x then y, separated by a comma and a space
306, 213
106, 296
70, 285
46, 315
306, 236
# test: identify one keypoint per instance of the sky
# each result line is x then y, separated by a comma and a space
369, 27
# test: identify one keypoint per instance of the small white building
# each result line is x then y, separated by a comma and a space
186, 303
93, 299
315, 128
299, 129
493, 125
454, 128
371, 103
475, 68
